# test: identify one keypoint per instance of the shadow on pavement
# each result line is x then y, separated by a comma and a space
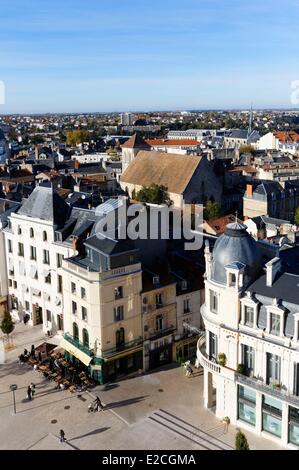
130, 401
91, 433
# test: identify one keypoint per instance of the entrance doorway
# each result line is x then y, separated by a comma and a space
37, 315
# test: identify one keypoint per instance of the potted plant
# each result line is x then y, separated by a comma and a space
241, 369
221, 359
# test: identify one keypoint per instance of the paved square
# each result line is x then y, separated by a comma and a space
159, 410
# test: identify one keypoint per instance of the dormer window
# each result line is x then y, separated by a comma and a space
275, 324
248, 315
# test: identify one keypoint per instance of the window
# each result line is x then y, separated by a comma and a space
19, 230
118, 292
48, 279
27, 305
45, 236
272, 412
248, 358
119, 313
246, 404
10, 282
59, 258
31, 232
159, 323
73, 287
84, 313
294, 425
75, 331
186, 305
83, 293
46, 257
213, 301
15, 284
275, 324
248, 315
120, 338
59, 283
74, 307
32, 252
59, 322
9, 244
159, 300
296, 379
212, 346
273, 369
85, 337
20, 249
49, 315
232, 280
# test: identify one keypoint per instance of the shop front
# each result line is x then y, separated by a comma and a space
185, 350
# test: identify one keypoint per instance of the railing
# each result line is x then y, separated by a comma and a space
160, 333
122, 347
281, 394
203, 359
75, 342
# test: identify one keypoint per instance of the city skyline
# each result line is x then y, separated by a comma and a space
134, 56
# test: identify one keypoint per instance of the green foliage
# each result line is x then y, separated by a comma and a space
246, 148
241, 369
297, 216
154, 194
7, 325
77, 137
211, 211
241, 441
221, 359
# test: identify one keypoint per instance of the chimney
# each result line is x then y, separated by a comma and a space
249, 190
272, 268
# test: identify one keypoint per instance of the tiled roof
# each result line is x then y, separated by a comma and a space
168, 169
135, 142
172, 142
286, 136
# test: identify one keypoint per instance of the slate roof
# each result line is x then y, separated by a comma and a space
44, 203
108, 246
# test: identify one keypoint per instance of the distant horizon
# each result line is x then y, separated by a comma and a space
144, 111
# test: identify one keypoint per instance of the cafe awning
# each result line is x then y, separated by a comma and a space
69, 347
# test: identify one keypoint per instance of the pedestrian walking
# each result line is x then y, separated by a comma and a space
62, 435
189, 370
98, 404
29, 393
32, 388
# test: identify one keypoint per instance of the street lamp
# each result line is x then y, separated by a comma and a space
13, 388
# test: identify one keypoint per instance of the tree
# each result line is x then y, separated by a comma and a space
211, 211
246, 148
154, 194
77, 137
7, 325
241, 441
297, 216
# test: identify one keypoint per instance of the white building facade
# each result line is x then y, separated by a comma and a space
250, 351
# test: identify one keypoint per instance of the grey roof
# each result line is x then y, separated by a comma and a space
267, 188
44, 203
236, 246
286, 290
108, 246
110, 205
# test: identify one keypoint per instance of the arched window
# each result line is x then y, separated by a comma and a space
120, 337
85, 337
75, 331
31, 232
45, 237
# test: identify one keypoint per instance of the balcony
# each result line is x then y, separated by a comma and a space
75, 342
137, 343
272, 390
203, 359
153, 335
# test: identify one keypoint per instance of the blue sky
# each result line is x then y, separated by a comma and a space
112, 55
